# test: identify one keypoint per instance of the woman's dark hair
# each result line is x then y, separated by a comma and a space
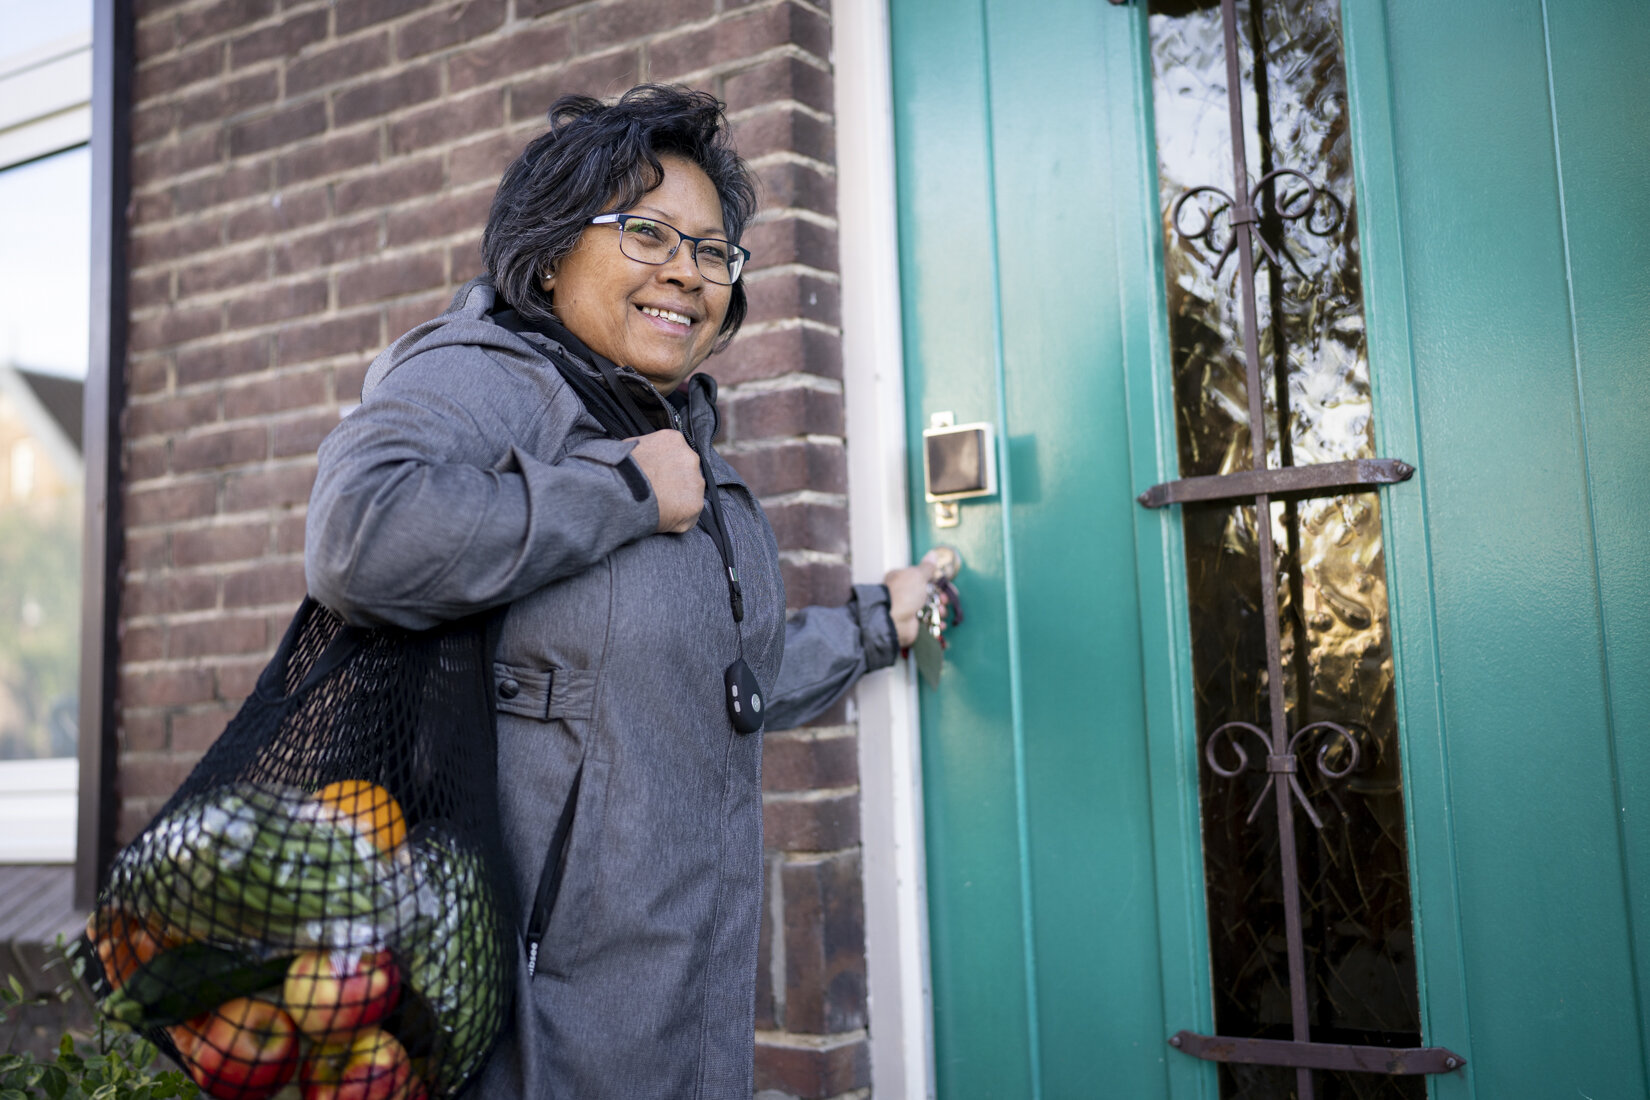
597, 158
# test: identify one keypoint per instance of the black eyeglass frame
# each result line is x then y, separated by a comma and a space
738, 256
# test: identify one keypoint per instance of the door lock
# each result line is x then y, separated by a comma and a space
959, 461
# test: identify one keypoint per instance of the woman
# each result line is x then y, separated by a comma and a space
646, 625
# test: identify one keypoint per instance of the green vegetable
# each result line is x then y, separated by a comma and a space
190, 979
262, 865
455, 954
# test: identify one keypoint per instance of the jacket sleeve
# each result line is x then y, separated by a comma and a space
430, 502
827, 650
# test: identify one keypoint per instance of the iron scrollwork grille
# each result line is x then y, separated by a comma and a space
1232, 225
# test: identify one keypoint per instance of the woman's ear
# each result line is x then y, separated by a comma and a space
547, 281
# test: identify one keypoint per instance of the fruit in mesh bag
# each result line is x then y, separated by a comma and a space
371, 1066
369, 809
245, 1049
124, 942
332, 994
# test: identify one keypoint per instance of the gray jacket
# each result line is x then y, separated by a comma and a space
471, 476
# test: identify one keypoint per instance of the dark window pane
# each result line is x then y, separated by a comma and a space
1334, 645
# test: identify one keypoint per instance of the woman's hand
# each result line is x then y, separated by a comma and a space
907, 592
672, 468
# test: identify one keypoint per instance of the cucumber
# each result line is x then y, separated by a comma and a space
190, 979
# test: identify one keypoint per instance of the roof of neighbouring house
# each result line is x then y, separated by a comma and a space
61, 397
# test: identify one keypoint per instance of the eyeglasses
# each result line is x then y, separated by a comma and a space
651, 241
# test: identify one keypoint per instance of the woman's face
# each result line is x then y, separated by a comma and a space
661, 319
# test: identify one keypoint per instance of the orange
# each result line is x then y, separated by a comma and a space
368, 807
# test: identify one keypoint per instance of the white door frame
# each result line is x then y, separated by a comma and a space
890, 764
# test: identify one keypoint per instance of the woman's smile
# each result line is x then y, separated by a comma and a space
662, 319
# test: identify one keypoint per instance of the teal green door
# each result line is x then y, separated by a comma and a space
1502, 153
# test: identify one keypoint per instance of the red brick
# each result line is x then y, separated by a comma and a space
787, 240
276, 487
237, 678
464, 260
216, 636
776, 413
270, 584
142, 732
170, 74
143, 643
352, 15
347, 379
625, 20
824, 945
526, 46
169, 687
301, 435
443, 216
743, 35
781, 128
174, 156
807, 526
329, 156
289, 535
528, 9
155, 775
289, 390
813, 1073
604, 76
330, 66
387, 186
778, 352
825, 824
147, 460
148, 374
483, 160
403, 315
221, 17
174, 326
462, 22
338, 241
390, 278
157, 417
151, 206
386, 94
193, 499
195, 730
448, 121
302, 343
147, 550
782, 295
808, 583
792, 467
284, 39
219, 448
153, 121
219, 543
168, 595
278, 302
156, 37
802, 761
279, 213
219, 361
149, 288
783, 78
790, 185
240, 181
220, 100
280, 127
223, 272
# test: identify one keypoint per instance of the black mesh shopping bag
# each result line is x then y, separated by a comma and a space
321, 905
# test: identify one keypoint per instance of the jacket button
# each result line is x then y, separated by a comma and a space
508, 689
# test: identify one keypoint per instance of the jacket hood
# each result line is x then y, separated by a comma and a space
478, 317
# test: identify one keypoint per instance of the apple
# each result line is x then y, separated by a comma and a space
245, 1049
332, 994
124, 943
372, 1066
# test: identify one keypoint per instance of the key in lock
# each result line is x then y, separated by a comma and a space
942, 611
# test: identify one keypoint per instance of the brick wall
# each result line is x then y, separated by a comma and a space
309, 180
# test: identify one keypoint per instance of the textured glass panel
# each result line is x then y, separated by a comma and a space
1334, 645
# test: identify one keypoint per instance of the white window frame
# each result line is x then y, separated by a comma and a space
45, 108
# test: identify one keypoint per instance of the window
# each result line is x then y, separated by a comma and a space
45, 203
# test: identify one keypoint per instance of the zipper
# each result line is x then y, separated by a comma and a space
555, 863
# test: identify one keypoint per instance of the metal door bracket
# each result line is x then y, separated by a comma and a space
1392, 1061
1318, 479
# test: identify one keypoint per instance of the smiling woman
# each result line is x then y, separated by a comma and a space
545, 445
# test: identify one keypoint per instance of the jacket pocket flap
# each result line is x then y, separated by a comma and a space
543, 693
